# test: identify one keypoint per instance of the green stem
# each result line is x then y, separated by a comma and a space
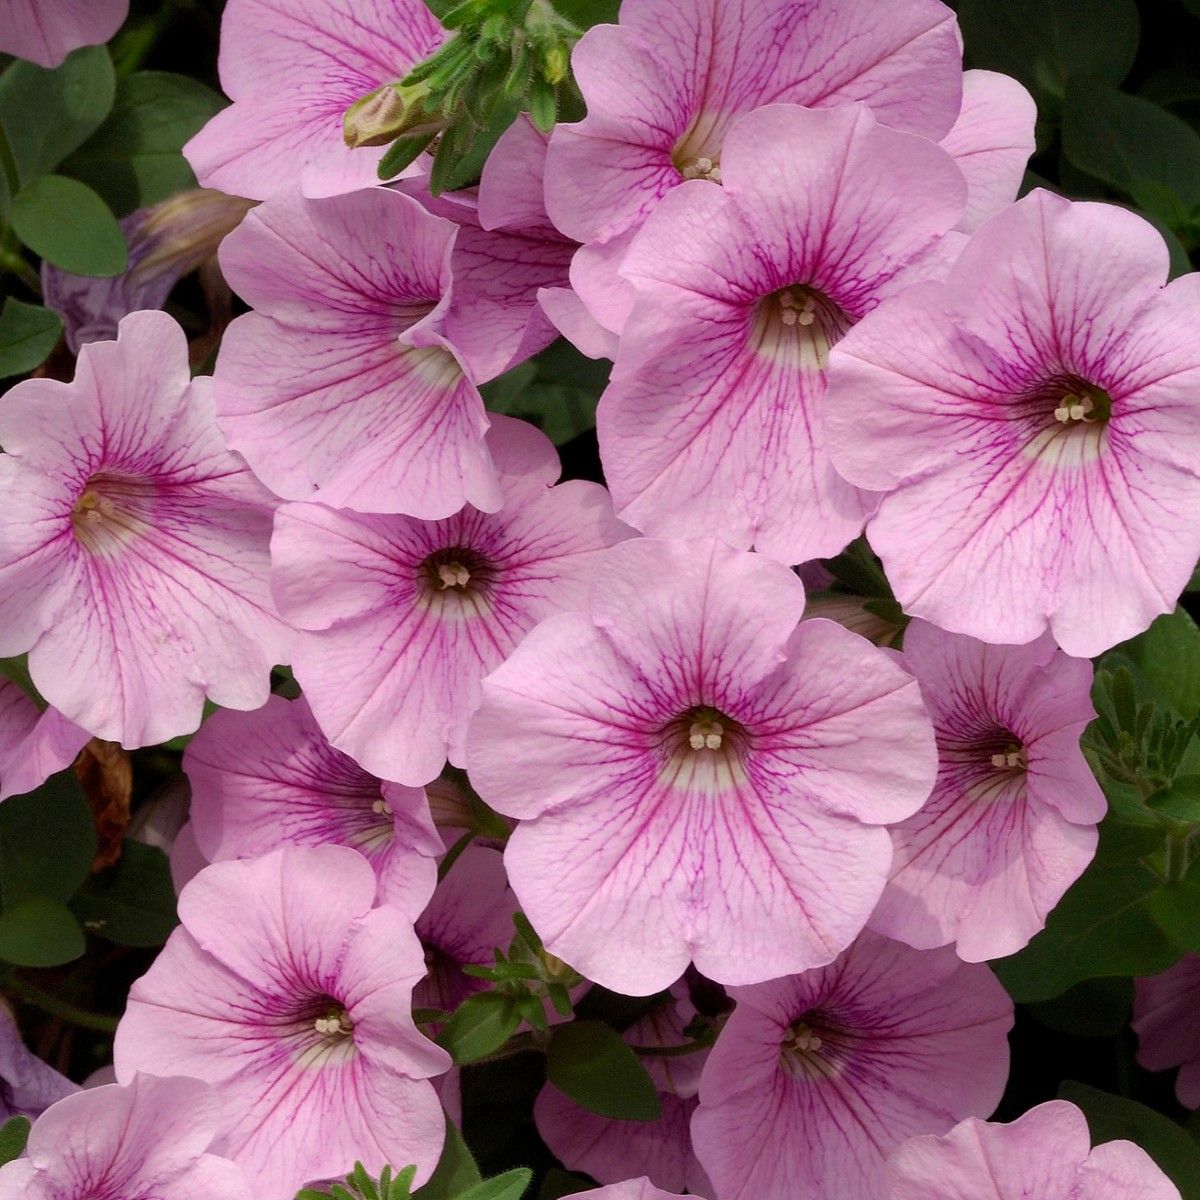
13, 264
27, 992
452, 855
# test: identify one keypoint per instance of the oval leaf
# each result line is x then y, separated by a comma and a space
480, 1024
588, 1061
509, 1186
133, 902
66, 223
14, 1134
47, 841
28, 332
40, 933
455, 1172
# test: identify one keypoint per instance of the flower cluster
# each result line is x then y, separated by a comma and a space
793, 227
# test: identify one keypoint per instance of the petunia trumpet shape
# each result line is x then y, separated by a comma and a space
664, 87
401, 619
608, 1149
1046, 1154
341, 386
33, 745
712, 424
815, 1077
1012, 820
134, 545
698, 776
292, 68
1166, 1019
270, 778
142, 1142
1033, 422
288, 991
46, 31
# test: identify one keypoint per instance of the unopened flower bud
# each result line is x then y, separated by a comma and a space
388, 113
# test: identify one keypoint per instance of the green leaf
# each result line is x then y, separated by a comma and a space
557, 391
49, 114
14, 1133
1180, 801
1095, 1008
464, 148
455, 1172
1043, 43
28, 332
47, 842
586, 13
509, 1186
588, 1062
133, 902
66, 223
1102, 926
1111, 1118
1168, 654
481, 1024
39, 932
1135, 147
134, 160
557, 1183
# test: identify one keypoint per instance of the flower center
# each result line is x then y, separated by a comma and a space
797, 325
697, 154
702, 167
813, 1047
458, 577
111, 512
704, 748
322, 1033
1082, 404
334, 1023
1011, 758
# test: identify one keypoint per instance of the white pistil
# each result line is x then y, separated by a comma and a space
380, 808
453, 575
1009, 760
1074, 409
705, 735
334, 1024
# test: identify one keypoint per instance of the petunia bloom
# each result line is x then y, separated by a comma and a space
627, 1189
815, 1077
401, 619
1046, 1154
46, 31
1032, 420
1166, 1019
28, 1086
607, 1149
292, 68
712, 424
288, 991
664, 87
33, 745
134, 546
141, 1142
698, 775
1012, 820
269, 778
341, 386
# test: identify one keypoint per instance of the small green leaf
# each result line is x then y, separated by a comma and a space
48, 114
47, 842
509, 1186
66, 223
1095, 1008
400, 154
39, 932
133, 902
1112, 1118
133, 159
1181, 800
480, 1024
1135, 147
14, 1134
1168, 654
28, 333
455, 1172
588, 1062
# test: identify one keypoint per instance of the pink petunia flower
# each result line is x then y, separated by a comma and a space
140, 1142
291, 994
401, 619
341, 387
991, 141
469, 916
33, 745
1044, 1155
269, 778
697, 777
46, 31
627, 1189
292, 68
608, 1150
1032, 420
28, 1086
133, 551
1166, 1018
664, 87
1012, 820
817, 1076
712, 424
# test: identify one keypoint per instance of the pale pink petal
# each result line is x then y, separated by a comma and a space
1165, 1021
46, 31
33, 745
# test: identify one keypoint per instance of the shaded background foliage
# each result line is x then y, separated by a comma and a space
83, 907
